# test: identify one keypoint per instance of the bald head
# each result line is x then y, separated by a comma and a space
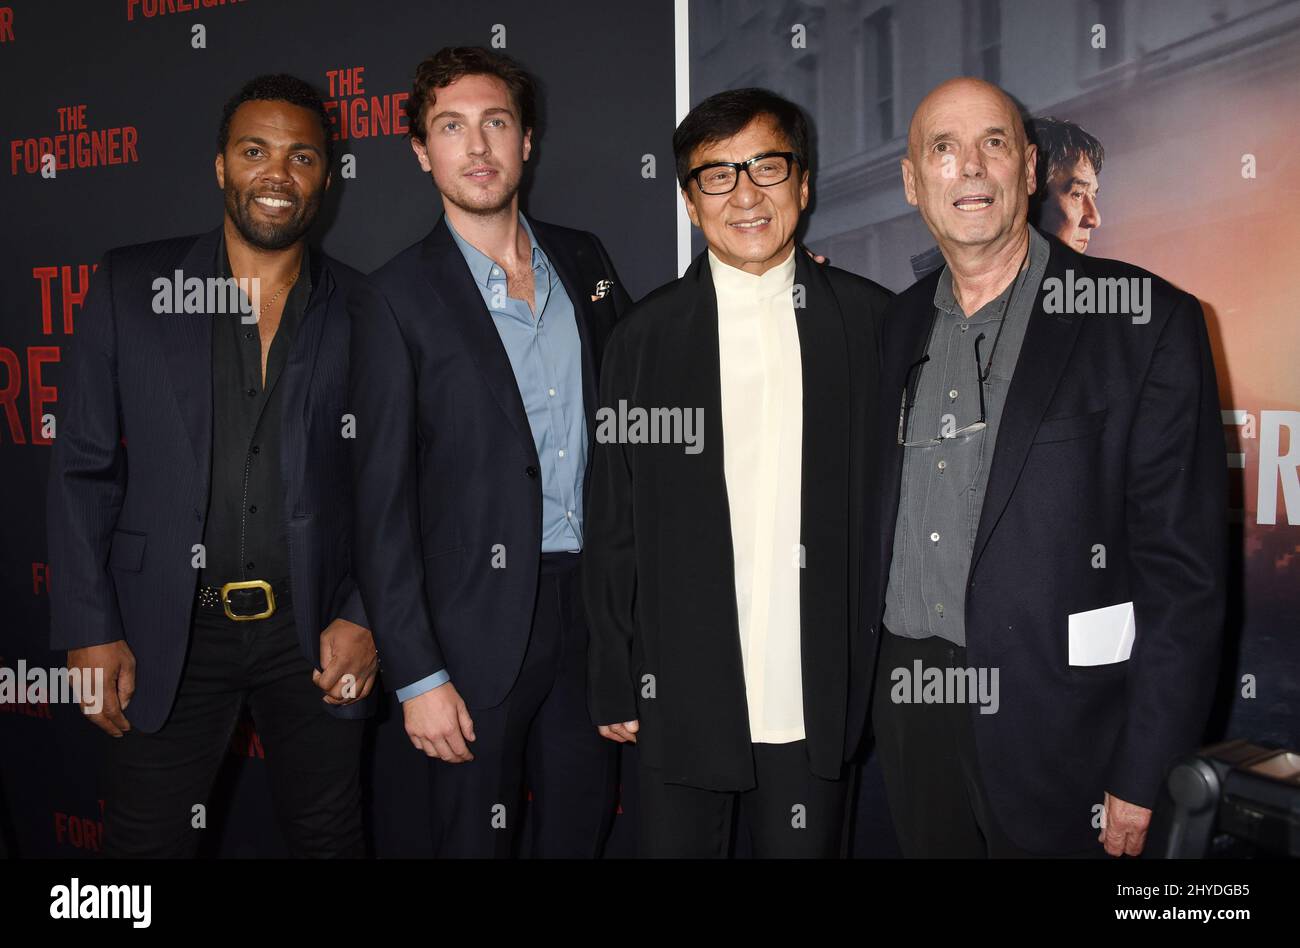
959, 95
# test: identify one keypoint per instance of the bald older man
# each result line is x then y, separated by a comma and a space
1048, 586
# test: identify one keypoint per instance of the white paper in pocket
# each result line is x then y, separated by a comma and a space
1102, 636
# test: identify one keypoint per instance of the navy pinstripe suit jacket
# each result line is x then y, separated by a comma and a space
131, 468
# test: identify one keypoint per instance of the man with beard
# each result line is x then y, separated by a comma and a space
474, 361
199, 504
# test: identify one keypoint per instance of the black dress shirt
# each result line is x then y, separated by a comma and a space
245, 535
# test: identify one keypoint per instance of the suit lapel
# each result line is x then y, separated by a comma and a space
701, 366
1048, 343
699, 384
187, 348
450, 280
296, 378
823, 531
824, 359
903, 343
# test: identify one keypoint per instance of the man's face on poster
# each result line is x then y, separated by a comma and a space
1069, 210
750, 228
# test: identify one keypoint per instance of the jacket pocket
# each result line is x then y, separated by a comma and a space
127, 550
1069, 428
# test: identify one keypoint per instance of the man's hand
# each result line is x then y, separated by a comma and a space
622, 733
438, 723
118, 665
1123, 827
349, 660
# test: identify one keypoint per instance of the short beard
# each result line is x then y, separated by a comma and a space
271, 236
493, 210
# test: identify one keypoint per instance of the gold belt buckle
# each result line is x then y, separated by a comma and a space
248, 584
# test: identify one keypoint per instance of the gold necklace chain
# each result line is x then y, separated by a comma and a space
292, 280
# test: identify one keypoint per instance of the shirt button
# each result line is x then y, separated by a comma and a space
550, 392
252, 508
251, 392
249, 565
496, 271
256, 449
934, 538
953, 393
938, 607
248, 334
530, 471
942, 465
561, 452
569, 514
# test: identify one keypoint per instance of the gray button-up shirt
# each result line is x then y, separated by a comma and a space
943, 483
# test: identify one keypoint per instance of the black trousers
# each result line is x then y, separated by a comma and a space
154, 781
928, 756
791, 812
539, 740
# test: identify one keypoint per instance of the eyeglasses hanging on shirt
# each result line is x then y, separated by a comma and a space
982, 371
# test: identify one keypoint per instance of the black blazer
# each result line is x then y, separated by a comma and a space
446, 472
132, 465
1110, 435
659, 575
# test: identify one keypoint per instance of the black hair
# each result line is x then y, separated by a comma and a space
1060, 146
280, 87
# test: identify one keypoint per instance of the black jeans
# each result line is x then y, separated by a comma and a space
155, 781
791, 812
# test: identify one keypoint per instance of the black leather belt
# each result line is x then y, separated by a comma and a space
245, 600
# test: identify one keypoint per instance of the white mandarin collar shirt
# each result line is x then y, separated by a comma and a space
762, 437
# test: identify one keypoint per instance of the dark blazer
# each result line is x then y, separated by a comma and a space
446, 470
132, 463
1110, 435
659, 576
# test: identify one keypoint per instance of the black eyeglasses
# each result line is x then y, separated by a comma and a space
982, 371
721, 177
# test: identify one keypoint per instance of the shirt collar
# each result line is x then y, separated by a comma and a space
946, 300
481, 265
731, 280
301, 288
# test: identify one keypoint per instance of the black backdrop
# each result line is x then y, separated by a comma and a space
607, 81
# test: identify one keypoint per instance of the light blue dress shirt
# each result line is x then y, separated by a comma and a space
545, 353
